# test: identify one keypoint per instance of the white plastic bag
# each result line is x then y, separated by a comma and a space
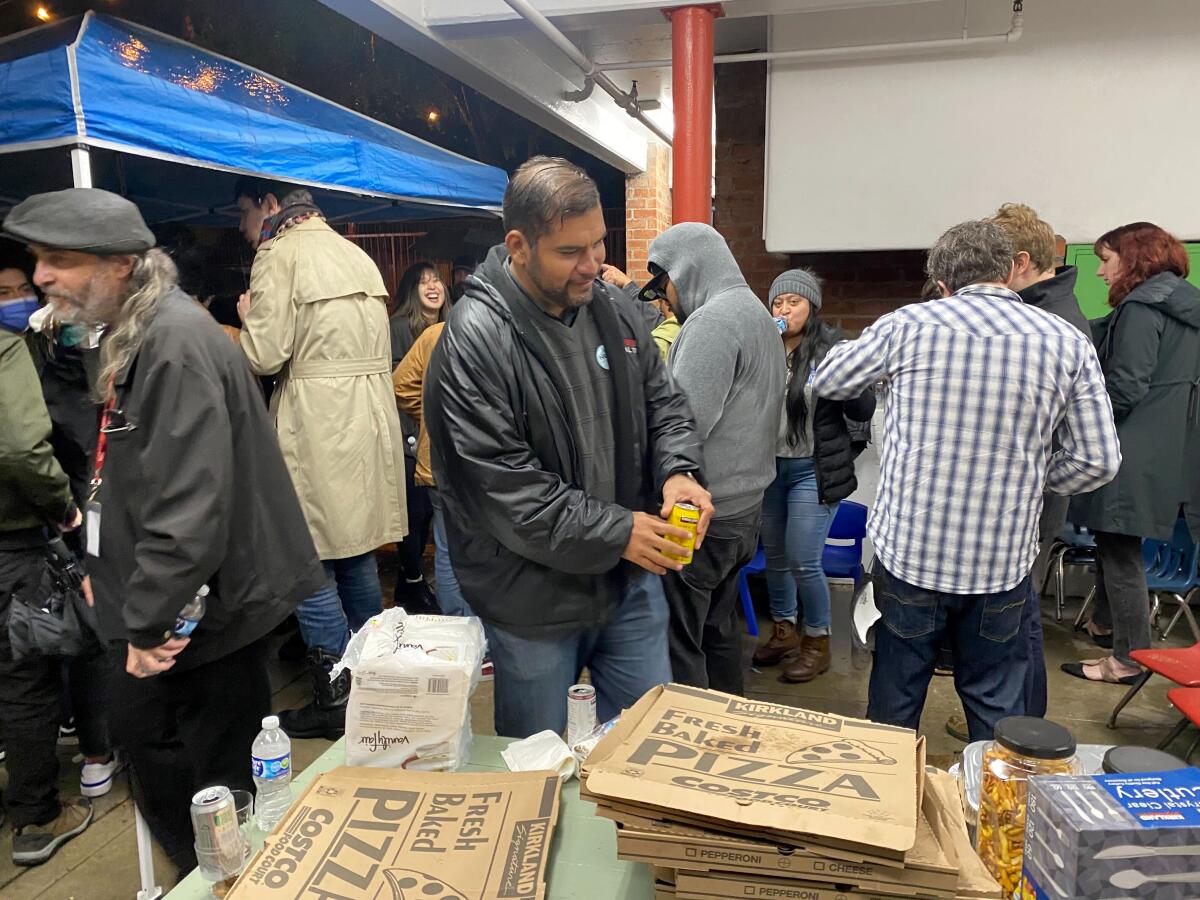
410, 693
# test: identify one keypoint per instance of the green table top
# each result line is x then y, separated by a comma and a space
583, 860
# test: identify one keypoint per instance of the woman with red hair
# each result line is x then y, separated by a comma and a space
1149, 348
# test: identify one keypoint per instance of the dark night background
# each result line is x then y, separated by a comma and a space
306, 43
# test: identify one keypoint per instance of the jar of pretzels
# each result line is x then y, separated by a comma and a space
1022, 747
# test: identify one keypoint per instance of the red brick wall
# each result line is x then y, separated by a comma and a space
647, 208
859, 287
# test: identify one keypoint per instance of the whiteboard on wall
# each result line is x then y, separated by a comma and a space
1092, 118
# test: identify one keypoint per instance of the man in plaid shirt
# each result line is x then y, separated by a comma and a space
980, 385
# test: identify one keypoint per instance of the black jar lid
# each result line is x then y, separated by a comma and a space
1035, 738
1132, 760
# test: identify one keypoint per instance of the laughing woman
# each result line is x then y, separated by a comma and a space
1149, 348
422, 300
814, 471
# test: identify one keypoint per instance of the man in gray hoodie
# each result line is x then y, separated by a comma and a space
729, 362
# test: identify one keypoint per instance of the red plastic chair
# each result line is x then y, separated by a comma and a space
1181, 666
1187, 701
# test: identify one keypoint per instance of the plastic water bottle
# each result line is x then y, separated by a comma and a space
271, 761
189, 617
781, 323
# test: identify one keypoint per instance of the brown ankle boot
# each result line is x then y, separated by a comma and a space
812, 660
784, 639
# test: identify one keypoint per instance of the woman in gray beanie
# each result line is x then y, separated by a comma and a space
814, 471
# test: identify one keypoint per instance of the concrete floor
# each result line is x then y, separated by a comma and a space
101, 864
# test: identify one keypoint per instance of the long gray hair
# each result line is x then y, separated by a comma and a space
153, 275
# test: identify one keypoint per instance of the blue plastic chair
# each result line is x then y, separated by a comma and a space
1074, 546
1175, 575
756, 566
842, 557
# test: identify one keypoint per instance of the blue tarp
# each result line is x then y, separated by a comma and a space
105, 83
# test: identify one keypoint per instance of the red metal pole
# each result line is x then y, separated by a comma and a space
692, 97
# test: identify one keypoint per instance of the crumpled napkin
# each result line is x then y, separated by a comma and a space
544, 750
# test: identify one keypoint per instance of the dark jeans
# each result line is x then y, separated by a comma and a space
30, 705
1031, 654
420, 515
706, 632
625, 657
1122, 598
182, 731
983, 632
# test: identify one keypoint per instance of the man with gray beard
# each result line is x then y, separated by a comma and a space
189, 490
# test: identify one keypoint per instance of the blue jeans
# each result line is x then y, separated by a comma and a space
449, 595
626, 657
984, 635
1031, 654
351, 596
795, 525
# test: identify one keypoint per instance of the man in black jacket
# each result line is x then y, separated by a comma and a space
189, 490
559, 444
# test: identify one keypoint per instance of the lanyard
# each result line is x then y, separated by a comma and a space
102, 442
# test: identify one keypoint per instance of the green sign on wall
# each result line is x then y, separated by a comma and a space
1093, 293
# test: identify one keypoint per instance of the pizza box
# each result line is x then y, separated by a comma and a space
723, 886
793, 775
926, 873
360, 832
942, 805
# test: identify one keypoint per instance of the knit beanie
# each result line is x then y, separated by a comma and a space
797, 281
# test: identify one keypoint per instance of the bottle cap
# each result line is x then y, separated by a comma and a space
203, 592
270, 722
1036, 738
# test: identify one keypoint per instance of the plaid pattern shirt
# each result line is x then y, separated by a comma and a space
982, 387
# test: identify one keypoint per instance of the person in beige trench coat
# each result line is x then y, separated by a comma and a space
316, 314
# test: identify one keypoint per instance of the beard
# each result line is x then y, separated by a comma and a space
91, 306
559, 295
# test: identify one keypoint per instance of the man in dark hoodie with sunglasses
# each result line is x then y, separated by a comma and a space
559, 445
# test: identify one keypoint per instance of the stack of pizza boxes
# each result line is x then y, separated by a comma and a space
728, 797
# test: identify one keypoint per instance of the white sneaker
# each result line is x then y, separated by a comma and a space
96, 779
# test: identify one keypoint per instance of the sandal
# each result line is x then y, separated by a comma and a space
1102, 639
1102, 670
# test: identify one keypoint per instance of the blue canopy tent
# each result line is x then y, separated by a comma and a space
138, 110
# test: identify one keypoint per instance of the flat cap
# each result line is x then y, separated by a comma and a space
85, 219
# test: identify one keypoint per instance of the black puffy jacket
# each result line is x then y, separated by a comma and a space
833, 449
530, 548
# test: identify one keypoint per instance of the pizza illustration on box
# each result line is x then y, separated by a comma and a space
409, 884
841, 752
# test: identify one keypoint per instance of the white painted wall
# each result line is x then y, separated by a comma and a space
1093, 118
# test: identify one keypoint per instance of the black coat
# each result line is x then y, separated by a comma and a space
195, 493
530, 548
1149, 349
1057, 295
833, 450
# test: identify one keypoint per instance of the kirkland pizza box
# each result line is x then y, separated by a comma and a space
943, 809
773, 770
926, 873
402, 835
1108, 836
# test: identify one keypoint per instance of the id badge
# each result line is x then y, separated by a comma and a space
91, 525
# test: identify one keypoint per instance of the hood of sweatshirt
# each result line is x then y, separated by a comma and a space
1171, 295
698, 262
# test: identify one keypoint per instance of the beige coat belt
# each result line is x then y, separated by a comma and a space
339, 368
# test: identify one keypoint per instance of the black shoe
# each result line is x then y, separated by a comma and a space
416, 598
293, 649
325, 717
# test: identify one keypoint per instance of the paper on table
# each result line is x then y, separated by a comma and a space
866, 613
538, 752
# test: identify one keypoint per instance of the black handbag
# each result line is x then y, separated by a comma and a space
50, 617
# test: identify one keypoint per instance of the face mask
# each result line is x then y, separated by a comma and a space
14, 314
